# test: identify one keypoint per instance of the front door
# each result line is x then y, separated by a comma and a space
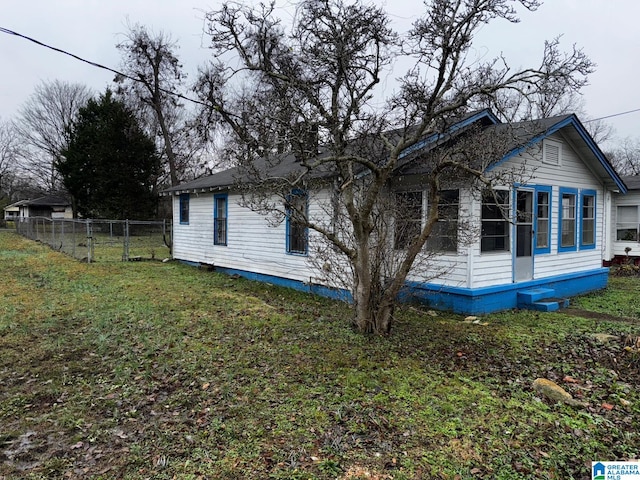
524, 236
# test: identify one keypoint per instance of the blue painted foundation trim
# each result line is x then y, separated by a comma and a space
476, 301
335, 293
469, 301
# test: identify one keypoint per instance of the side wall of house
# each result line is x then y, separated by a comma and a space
257, 245
253, 245
625, 223
468, 280
446, 268
490, 269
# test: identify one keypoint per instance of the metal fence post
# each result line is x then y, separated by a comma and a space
125, 253
89, 241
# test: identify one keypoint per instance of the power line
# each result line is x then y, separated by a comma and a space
98, 65
613, 115
183, 97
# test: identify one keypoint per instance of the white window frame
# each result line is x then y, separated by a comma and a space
549, 146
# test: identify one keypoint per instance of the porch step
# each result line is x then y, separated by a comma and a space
548, 304
530, 295
541, 299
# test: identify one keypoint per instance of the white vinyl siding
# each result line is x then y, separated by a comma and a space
256, 246
573, 173
253, 245
625, 224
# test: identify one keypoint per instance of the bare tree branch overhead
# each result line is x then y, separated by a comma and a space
44, 124
152, 72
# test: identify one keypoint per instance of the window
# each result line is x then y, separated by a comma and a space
184, 208
444, 236
568, 219
551, 152
408, 217
588, 219
495, 221
627, 223
297, 232
220, 219
542, 220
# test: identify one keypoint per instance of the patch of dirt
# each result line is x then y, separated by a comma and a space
22, 452
578, 312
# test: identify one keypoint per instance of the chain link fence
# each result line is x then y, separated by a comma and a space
101, 240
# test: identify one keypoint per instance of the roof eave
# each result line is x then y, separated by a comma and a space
571, 120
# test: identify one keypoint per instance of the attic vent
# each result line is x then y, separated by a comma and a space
551, 152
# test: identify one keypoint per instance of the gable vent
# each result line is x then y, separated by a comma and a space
551, 153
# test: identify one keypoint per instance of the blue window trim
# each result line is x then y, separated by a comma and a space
184, 200
216, 197
583, 194
302, 193
574, 192
549, 191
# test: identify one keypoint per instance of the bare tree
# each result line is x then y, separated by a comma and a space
321, 77
512, 106
44, 123
626, 157
15, 183
9, 156
155, 81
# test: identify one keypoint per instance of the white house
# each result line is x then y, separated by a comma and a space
625, 219
551, 246
48, 206
12, 211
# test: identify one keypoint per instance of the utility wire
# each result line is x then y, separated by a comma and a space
183, 97
613, 115
97, 65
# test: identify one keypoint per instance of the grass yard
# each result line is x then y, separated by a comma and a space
159, 370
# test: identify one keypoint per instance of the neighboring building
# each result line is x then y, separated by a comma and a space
11, 212
552, 249
625, 220
48, 206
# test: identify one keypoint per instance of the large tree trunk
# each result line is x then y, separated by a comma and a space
373, 313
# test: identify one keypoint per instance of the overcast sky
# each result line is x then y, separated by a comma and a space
605, 29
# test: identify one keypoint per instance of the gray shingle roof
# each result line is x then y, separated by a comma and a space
46, 201
632, 182
519, 134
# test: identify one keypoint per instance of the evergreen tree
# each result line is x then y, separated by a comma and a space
110, 165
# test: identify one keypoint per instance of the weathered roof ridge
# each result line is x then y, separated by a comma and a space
289, 163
